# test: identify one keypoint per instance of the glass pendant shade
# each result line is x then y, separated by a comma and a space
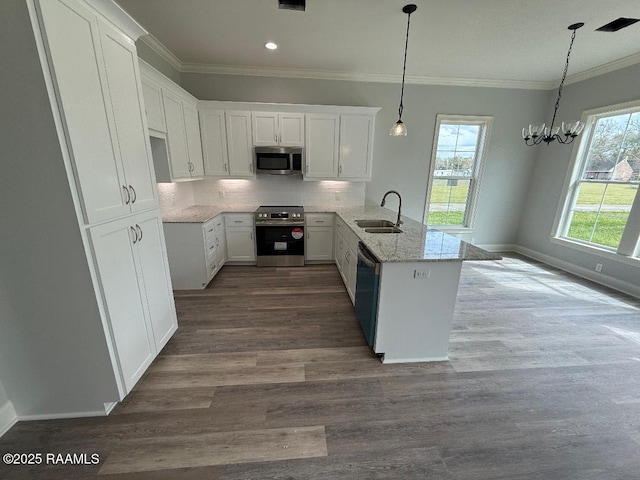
398, 129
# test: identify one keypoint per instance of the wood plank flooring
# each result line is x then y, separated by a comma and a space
269, 377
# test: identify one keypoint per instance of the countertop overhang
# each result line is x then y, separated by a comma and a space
416, 243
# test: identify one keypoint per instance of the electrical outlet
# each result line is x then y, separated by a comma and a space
598, 267
422, 274
221, 193
338, 196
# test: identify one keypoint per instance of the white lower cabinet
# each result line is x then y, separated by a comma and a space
196, 252
241, 244
319, 237
346, 256
135, 283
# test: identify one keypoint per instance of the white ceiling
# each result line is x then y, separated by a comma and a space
517, 43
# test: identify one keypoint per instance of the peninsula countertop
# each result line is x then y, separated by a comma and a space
416, 243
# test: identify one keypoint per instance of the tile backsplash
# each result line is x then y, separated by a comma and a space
175, 196
277, 190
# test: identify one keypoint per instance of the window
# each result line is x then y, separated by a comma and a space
602, 193
458, 149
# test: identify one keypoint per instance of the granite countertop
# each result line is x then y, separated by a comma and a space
202, 213
416, 243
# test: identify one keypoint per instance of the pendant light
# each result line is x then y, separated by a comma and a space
538, 133
398, 129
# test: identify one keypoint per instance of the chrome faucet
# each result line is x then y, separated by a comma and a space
398, 221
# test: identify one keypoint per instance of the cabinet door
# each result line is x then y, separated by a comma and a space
339, 252
319, 243
265, 128
73, 43
352, 272
194, 146
356, 142
239, 143
321, 148
153, 105
291, 127
214, 142
154, 265
114, 246
240, 244
176, 136
121, 61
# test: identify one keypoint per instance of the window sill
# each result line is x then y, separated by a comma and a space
600, 252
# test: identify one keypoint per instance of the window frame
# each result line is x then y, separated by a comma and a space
486, 123
628, 250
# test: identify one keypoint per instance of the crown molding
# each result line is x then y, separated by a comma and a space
602, 69
154, 44
362, 77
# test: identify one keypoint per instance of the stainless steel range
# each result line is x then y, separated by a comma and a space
280, 236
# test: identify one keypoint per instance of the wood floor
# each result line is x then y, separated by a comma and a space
269, 377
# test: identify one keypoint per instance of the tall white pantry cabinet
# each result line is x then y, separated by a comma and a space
82, 323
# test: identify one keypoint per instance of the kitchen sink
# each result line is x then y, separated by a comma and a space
374, 223
383, 230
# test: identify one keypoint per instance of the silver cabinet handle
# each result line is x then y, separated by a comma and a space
306, 167
135, 235
340, 170
251, 167
280, 138
135, 195
217, 242
238, 221
126, 190
275, 137
139, 230
319, 221
225, 167
251, 235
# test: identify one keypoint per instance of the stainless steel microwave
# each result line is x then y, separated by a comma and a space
279, 160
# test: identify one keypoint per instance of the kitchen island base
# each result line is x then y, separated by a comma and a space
415, 310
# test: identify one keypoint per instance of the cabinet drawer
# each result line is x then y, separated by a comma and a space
209, 229
319, 219
339, 225
239, 220
210, 247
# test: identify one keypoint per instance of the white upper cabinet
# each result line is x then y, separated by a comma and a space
180, 166
172, 116
239, 146
273, 129
214, 142
153, 105
321, 146
356, 147
99, 96
194, 146
123, 77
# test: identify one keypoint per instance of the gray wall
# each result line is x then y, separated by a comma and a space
4, 399
552, 164
403, 163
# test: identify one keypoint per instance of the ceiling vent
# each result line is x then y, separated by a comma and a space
292, 4
618, 24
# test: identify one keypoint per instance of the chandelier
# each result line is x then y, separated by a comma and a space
539, 132
398, 129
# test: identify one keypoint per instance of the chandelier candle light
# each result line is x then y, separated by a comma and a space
537, 133
398, 129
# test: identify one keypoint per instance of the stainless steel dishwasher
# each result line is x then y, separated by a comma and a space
367, 286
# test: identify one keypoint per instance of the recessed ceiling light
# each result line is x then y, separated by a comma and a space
271, 45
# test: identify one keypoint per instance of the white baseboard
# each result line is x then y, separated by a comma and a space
57, 416
109, 406
499, 247
386, 360
599, 278
8, 418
